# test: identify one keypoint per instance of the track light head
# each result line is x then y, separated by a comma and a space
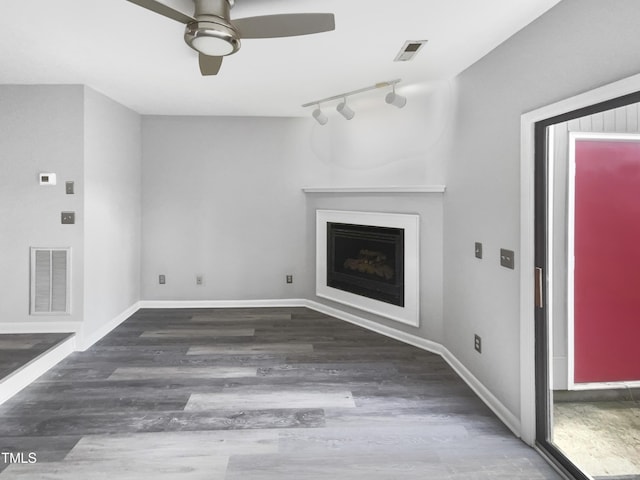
394, 99
344, 110
320, 117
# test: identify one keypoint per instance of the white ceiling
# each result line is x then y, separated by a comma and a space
139, 58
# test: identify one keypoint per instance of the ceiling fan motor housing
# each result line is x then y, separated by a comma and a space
220, 8
212, 33
212, 36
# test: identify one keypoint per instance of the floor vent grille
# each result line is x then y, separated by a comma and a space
50, 281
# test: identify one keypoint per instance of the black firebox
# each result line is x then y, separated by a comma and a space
366, 260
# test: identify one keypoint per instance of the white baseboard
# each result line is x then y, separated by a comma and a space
89, 338
605, 385
41, 327
404, 337
291, 302
21, 378
502, 412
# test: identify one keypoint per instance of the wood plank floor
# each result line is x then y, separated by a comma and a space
18, 349
248, 394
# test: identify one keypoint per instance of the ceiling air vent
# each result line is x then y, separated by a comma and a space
409, 50
50, 281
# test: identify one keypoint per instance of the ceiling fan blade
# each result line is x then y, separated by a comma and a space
284, 25
164, 10
209, 65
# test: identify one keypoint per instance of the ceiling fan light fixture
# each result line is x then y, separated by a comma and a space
212, 39
209, 30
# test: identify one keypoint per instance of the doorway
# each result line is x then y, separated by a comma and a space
587, 409
604, 260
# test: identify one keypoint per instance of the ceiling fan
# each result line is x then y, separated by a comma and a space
213, 35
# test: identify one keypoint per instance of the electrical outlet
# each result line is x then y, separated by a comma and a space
289, 278
477, 343
68, 218
478, 250
162, 279
47, 178
198, 279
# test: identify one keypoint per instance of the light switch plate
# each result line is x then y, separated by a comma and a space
507, 258
69, 188
162, 279
478, 250
68, 218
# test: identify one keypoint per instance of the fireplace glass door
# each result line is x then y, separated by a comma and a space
366, 260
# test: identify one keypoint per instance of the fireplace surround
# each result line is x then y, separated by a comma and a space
369, 261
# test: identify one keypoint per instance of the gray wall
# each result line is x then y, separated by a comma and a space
83, 137
575, 47
112, 199
41, 130
222, 199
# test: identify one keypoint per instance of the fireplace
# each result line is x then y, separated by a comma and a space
370, 261
366, 260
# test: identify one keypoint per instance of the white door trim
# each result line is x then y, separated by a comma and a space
527, 230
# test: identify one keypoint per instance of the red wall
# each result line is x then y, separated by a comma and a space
607, 261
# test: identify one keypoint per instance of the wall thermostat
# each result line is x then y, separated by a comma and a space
47, 179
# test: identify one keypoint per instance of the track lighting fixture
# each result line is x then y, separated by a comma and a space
344, 110
320, 117
394, 99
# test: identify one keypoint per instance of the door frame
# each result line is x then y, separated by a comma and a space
533, 252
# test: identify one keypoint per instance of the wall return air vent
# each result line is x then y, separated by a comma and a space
409, 50
50, 281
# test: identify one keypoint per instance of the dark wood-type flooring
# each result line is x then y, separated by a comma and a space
17, 350
248, 394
